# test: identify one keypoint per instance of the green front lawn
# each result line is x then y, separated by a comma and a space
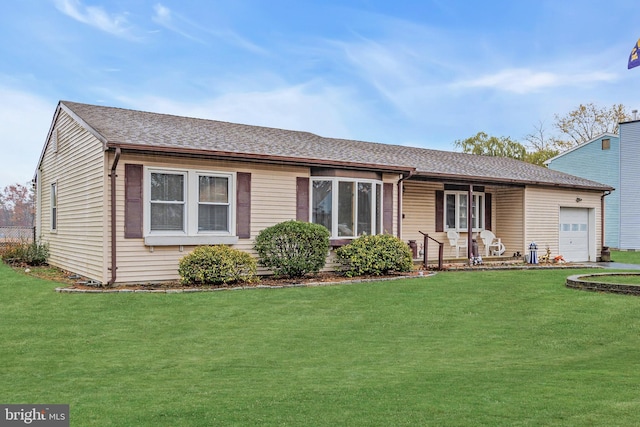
512, 348
625, 257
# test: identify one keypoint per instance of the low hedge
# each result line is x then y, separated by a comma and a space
375, 255
217, 265
293, 248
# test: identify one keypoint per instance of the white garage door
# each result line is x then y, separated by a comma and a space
574, 234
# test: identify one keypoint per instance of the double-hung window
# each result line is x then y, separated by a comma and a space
213, 203
168, 201
456, 211
347, 207
54, 206
189, 204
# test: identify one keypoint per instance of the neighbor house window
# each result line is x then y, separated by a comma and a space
606, 144
187, 202
54, 206
456, 211
347, 207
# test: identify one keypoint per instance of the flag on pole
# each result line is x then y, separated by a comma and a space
634, 60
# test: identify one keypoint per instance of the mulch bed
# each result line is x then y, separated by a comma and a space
76, 283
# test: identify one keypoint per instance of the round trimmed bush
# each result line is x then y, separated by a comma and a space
375, 255
217, 265
293, 248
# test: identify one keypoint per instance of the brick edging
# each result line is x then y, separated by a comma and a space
576, 282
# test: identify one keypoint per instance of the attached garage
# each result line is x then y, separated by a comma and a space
577, 230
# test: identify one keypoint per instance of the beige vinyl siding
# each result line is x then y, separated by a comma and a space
508, 218
419, 214
542, 210
78, 168
273, 200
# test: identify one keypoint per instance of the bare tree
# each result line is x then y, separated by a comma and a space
588, 121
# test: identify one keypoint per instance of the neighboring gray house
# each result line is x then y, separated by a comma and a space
629, 185
597, 160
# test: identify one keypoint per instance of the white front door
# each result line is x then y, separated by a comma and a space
574, 234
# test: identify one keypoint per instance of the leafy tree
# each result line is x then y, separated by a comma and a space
540, 156
486, 145
588, 121
16, 206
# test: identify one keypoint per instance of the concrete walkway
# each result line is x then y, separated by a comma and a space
614, 265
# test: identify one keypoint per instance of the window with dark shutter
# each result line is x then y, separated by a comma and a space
243, 202
439, 210
302, 199
487, 211
133, 215
387, 208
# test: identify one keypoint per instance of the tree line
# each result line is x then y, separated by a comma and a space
582, 124
16, 206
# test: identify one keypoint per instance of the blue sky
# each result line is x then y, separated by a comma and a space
422, 73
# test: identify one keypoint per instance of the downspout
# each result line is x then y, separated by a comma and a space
113, 176
602, 217
400, 196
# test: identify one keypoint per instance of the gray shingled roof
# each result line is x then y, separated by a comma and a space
153, 131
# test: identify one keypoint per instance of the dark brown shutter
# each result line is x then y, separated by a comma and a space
302, 199
387, 208
487, 211
439, 210
243, 205
133, 205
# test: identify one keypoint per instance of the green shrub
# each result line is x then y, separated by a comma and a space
375, 255
31, 253
293, 248
216, 265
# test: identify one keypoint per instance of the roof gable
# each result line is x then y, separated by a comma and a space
584, 144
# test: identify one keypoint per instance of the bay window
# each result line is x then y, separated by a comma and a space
348, 208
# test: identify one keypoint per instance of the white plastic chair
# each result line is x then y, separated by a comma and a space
457, 241
492, 244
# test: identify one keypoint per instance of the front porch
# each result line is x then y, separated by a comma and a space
436, 208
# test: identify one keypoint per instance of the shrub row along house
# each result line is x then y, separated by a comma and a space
122, 195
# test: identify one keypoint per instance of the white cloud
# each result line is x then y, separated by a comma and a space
523, 80
187, 28
164, 17
25, 119
116, 24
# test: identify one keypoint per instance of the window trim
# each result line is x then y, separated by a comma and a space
376, 208
190, 235
480, 210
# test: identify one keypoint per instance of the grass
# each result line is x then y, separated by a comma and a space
510, 348
626, 257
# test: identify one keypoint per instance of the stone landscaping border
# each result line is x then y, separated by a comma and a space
577, 282
124, 290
